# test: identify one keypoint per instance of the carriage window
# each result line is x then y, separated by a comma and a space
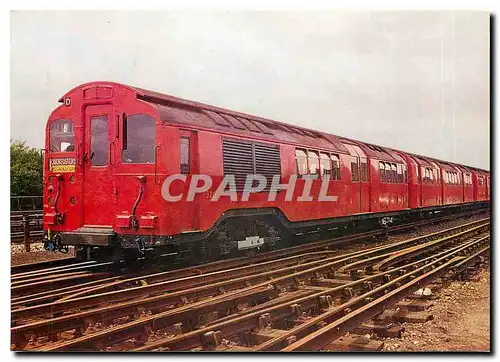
381, 167
326, 165
405, 171
336, 167
184, 155
301, 160
354, 172
62, 136
140, 133
99, 141
313, 163
364, 171
388, 173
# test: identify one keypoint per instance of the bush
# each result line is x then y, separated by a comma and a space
26, 170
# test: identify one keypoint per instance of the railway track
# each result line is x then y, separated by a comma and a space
286, 300
62, 281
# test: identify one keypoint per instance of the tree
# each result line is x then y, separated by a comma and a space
26, 170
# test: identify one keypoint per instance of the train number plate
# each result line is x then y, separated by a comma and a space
67, 164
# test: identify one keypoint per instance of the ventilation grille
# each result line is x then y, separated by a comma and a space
242, 158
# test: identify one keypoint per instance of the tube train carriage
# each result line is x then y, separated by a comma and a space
110, 148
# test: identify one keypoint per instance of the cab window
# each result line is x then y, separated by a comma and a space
139, 133
62, 136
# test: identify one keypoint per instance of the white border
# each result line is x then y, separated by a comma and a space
298, 5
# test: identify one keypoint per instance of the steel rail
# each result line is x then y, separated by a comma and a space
346, 323
248, 321
29, 267
54, 294
470, 260
67, 322
182, 283
39, 298
386, 260
43, 285
434, 262
137, 326
40, 272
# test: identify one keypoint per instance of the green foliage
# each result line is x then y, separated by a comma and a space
26, 170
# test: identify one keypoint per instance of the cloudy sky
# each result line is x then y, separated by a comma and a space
415, 81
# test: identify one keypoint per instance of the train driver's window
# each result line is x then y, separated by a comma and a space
62, 136
140, 136
301, 161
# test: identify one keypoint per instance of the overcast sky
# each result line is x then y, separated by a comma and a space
415, 81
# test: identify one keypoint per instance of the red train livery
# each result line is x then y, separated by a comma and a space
110, 147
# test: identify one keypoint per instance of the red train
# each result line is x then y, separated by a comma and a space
120, 162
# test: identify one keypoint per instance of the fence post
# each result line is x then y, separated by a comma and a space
26, 227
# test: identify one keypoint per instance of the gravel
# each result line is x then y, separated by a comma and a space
461, 321
18, 254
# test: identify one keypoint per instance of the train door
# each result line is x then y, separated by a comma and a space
419, 189
360, 177
97, 165
189, 166
488, 191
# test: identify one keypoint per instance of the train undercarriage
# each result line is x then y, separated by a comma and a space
238, 233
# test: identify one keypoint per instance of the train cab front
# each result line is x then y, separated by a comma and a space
60, 180
100, 171
78, 186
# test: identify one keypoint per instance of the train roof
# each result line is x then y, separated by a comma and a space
178, 110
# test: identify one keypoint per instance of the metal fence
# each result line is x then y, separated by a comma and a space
26, 226
20, 203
